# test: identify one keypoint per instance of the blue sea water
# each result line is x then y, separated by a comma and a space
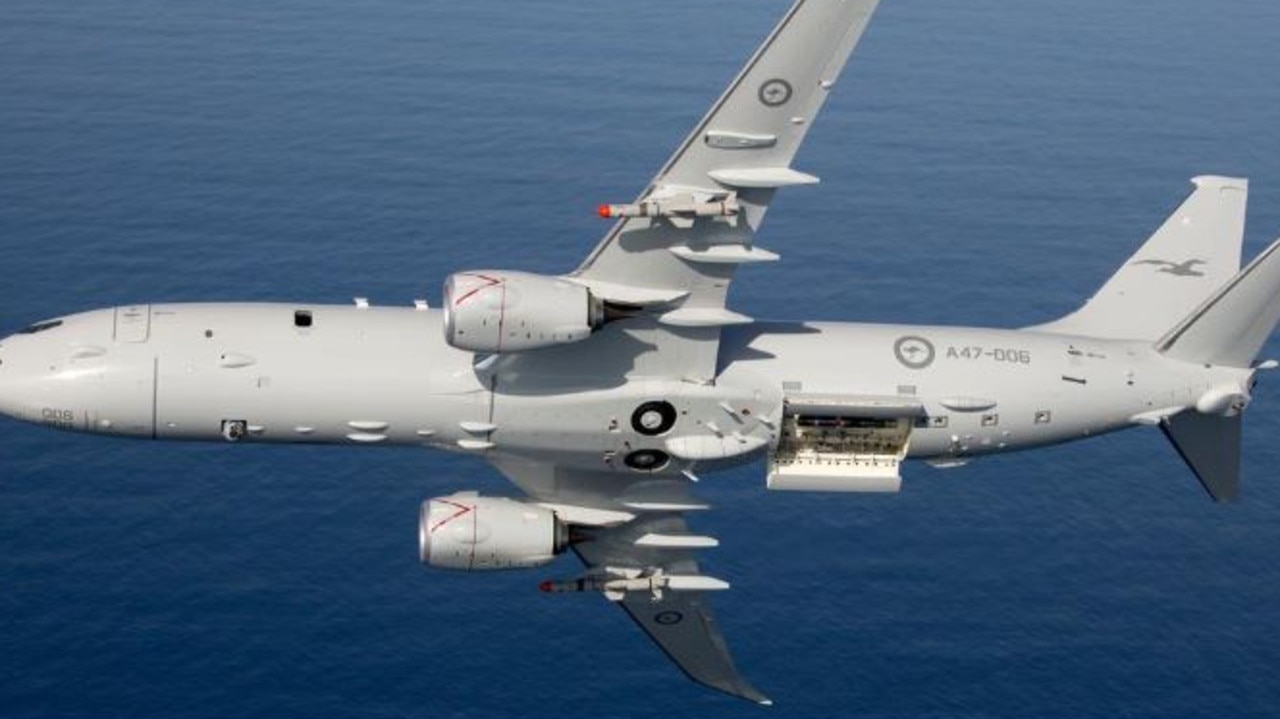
983, 162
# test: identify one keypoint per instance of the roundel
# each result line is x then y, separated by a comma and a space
668, 618
774, 92
653, 418
914, 351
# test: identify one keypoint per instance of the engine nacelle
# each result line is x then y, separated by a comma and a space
469, 532
501, 311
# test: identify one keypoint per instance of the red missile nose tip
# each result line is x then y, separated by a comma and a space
604, 211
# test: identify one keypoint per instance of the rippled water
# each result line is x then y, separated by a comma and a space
983, 163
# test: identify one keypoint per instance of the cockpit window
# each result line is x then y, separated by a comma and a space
39, 327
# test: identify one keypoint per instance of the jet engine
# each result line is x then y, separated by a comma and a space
469, 532
501, 311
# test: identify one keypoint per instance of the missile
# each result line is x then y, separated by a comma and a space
676, 207
558, 586
616, 587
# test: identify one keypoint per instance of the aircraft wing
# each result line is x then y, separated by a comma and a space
680, 622
673, 251
663, 271
640, 554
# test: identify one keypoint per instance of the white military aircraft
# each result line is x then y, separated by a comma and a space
603, 393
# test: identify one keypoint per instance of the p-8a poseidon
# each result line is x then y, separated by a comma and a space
603, 393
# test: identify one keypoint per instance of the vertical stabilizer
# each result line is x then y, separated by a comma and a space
1210, 445
1191, 255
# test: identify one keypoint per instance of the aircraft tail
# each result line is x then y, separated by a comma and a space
1230, 327
1191, 255
1227, 330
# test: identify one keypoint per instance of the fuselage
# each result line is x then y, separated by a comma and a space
376, 376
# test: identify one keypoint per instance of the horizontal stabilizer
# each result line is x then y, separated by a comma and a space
1231, 327
1210, 445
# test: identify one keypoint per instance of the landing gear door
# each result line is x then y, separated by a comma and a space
842, 443
133, 323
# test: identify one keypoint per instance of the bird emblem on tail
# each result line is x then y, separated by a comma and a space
1180, 269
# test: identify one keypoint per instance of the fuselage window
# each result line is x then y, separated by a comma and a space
302, 318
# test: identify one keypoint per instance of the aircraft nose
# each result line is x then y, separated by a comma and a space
71, 373
35, 384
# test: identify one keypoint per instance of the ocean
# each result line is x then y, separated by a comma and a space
984, 163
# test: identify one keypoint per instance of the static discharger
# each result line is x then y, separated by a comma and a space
675, 207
